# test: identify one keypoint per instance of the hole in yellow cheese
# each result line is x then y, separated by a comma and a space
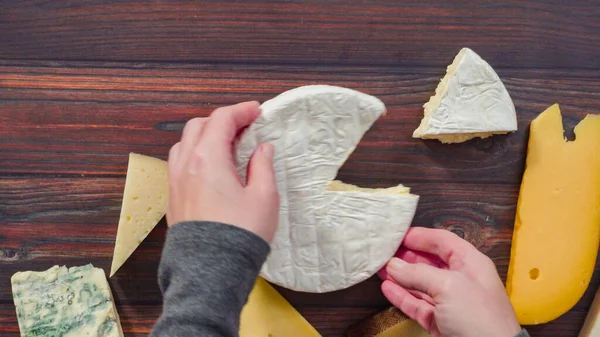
534, 274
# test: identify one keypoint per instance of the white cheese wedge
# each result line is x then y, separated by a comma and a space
326, 240
144, 204
65, 302
470, 101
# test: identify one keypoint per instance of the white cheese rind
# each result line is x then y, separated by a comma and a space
65, 302
326, 240
144, 204
470, 101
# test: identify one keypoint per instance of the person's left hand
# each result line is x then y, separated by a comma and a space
203, 181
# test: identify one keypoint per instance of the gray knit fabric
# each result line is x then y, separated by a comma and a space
206, 272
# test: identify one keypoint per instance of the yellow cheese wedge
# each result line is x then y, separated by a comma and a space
268, 314
557, 226
144, 204
591, 327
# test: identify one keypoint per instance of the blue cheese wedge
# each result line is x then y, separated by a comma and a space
65, 302
470, 101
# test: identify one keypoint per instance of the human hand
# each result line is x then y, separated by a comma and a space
448, 286
203, 181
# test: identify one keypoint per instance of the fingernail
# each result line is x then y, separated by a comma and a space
267, 150
396, 264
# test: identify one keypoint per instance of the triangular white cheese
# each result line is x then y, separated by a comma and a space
327, 239
144, 204
470, 101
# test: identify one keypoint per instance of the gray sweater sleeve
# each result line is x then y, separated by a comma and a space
206, 272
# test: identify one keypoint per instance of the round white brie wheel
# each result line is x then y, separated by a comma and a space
326, 240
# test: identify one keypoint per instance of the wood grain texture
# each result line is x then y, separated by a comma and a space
360, 32
47, 221
86, 118
83, 83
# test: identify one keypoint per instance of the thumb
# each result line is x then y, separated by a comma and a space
418, 276
261, 174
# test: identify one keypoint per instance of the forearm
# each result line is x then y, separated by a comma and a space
206, 273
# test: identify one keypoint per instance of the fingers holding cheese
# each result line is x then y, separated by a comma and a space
204, 184
467, 297
192, 131
226, 122
418, 276
415, 308
457, 253
414, 256
261, 188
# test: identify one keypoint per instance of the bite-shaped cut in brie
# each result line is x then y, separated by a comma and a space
329, 238
470, 101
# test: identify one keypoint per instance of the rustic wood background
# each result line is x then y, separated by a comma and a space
83, 83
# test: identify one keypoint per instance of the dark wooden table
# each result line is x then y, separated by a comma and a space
83, 83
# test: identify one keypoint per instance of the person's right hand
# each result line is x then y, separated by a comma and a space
204, 184
449, 287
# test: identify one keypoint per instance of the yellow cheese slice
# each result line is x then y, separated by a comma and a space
268, 314
144, 204
591, 327
557, 226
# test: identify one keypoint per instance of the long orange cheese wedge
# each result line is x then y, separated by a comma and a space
557, 226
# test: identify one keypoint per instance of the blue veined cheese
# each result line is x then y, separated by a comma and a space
65, 302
